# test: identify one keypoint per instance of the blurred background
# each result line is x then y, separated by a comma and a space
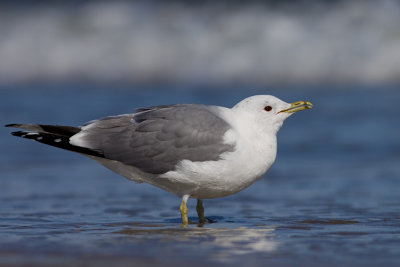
201, 42
332, 196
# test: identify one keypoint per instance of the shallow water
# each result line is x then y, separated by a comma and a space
331, 198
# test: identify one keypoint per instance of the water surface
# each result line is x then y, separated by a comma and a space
331, 198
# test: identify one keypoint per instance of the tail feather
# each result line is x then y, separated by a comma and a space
53, 135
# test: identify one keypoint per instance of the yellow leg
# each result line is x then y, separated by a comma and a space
184, 210
200, 211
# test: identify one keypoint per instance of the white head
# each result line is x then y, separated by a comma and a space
267, 112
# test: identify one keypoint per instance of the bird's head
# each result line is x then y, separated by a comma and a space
268, 112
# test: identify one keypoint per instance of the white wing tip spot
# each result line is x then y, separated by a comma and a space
58, 140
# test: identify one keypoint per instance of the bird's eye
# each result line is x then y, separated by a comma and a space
267, 108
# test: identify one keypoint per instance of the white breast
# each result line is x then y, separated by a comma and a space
236, 170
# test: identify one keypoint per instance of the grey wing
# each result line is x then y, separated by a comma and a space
155, 139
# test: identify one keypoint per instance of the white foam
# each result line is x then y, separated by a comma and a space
250, 43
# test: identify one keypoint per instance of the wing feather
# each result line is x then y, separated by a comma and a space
156, 139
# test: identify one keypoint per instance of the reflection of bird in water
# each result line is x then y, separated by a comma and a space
223, 242
245, 240
189, 150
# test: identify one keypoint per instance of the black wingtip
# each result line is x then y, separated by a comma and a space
11, 125
19, 133
56, 140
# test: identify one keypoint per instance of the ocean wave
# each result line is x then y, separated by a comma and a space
174, 42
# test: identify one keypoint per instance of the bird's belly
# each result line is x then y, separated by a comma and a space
212, 179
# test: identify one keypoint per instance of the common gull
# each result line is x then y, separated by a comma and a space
190, 150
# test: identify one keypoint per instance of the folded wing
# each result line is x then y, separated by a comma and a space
156, 139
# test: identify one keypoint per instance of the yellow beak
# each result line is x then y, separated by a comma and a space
297, 106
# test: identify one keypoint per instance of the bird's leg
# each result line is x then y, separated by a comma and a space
184, 210
200, 211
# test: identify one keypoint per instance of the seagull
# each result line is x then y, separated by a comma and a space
190, 150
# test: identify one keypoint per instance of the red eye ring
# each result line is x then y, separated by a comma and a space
267, 108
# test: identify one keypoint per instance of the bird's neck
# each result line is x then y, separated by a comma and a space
248, 125
261, 138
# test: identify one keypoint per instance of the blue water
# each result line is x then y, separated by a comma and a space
331, 198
